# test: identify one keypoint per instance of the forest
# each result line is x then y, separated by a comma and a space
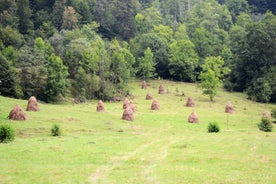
90, 49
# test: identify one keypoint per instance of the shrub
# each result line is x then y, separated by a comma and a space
213, 127
265, 125
55, 130
7, 133
273, 114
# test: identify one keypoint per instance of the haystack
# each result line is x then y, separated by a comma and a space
32, 104
144, 85
126, 103
17, 113
149, 96
193, 118
132, 106
100, 106
155, 105
229, 108
128, 114
190, 102
267, 114
161, 90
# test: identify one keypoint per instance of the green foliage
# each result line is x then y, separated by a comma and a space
24, 14
9, 83
56, 83
213, 71
213, 127
146, 69
7, 133
55, 130
265, 125
273, 114
183, 60
260, 90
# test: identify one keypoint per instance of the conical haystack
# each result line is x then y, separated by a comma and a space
149, 96
155, 105
229, 108
267, 114
100, 106
17, 113
128, 114
193, 118
161, 90
190, 102
144, 85
126, 103
32, 104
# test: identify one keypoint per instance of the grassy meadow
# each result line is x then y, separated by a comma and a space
158, 147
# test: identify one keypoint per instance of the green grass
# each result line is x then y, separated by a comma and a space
158, 147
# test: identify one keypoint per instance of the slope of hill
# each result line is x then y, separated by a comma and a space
158, 147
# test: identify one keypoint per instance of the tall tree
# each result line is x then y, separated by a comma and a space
24, 13
57, 13
183, 61
70, 19
8, 79
212, 74
146, 69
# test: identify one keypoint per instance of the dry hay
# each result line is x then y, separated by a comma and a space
126, 103
161, 90
190, 102
100, 106
229, 108
149, 96
267, 114
193, 118
32, 104
144, 85
128, 114
17, 113
155, 105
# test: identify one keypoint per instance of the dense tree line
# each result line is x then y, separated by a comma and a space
91, 48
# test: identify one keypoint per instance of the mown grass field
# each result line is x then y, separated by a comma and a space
158, 147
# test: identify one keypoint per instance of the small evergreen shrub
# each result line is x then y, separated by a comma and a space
213, 127
55, 130
265, 125
7, 133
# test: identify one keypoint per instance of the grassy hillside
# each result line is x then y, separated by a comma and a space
158, 147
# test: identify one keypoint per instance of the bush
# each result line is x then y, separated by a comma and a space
265, 125
213, 128
273, 114
7, 133
56, 131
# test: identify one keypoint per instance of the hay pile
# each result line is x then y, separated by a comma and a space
155, 105
229, 108
128, 114
144, 85
32, 104
267, 114
149, 96
100, 106
193, 118
127, 103
17, 113
161, 90
190, 102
